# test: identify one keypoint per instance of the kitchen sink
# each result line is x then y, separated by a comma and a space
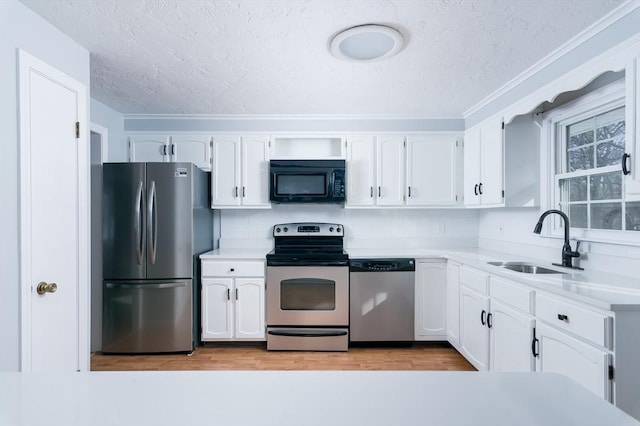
525, 268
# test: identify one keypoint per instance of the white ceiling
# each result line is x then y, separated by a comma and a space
272, 57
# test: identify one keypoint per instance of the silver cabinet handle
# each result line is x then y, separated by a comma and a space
243, 192
228, 294
379, 189
236, 294
236, 189
409, 192
371, 191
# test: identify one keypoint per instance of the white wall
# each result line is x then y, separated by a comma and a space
363, 228
113, 121
511, 231
21, 28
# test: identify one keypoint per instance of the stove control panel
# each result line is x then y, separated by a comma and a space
308, 229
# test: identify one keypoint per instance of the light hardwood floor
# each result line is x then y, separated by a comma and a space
421, 356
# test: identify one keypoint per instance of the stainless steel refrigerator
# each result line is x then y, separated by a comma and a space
156, 221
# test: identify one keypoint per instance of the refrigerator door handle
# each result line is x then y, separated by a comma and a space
138, 224
152, 226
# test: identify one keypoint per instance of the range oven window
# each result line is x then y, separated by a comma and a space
301, 184
307, 294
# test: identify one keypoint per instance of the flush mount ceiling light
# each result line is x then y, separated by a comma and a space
367, 43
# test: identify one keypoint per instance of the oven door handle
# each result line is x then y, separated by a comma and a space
308, 333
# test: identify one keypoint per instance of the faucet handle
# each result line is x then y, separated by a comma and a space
578, 245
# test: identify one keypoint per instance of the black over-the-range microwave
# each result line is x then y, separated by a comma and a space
307, 181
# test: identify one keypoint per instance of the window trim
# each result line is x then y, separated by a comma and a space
601, 100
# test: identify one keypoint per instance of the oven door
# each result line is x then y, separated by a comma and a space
307, 296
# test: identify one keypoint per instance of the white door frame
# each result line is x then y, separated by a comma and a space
27, 64
104, 142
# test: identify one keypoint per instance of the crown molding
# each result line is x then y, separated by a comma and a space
319, 117
597, 27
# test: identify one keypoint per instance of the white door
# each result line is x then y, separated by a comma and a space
430, 296
431, 170
217, 308
194, 149
511, 339
492, 164
632, 111
453, 304
586, 364
54, 232
249, 309
472, 167
361, 171
255, 171
474, 333
391, 170
153, 148
225, 176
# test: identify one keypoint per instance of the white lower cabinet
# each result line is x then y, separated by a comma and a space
233, 308
474, 333
586, 364
511, 336
430, 294
453, 304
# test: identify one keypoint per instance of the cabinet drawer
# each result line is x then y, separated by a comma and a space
232, 268
474, 279
591, 325
509, 292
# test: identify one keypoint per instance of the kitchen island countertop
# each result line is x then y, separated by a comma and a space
300, 398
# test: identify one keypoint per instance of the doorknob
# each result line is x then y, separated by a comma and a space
46, 287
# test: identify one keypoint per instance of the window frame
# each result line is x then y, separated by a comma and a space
599, 101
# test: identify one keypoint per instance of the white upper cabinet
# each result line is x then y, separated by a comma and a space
484, 165
432, 170
631, 161
390, 177
397, 171
361, 171
188, 148
194, 149
151, 148
240, 174
375, 170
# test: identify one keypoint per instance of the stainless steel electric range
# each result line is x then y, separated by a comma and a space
308, 288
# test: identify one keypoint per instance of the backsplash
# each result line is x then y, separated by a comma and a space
364, 228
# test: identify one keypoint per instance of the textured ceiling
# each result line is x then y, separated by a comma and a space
272, 57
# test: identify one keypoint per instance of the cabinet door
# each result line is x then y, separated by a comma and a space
472, 167
361, 171
225, 176
217, 308
492, 163
430, 295
152, 148
431, 170
474, 334
249, 309
632, 119
586, 364
391, 170
255, 171
453, 304
194, 149
511, 339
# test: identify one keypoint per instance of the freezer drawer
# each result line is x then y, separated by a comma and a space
147, 316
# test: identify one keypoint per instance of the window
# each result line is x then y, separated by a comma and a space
588, 141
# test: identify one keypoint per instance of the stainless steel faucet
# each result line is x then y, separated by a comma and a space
567, 253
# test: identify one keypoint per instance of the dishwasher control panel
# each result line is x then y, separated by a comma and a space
381, 265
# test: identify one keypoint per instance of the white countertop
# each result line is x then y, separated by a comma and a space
603, 290
300, 398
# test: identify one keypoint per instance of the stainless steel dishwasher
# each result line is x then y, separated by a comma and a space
381, 300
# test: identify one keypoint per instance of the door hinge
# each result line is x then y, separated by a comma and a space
611, 371
77, 129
